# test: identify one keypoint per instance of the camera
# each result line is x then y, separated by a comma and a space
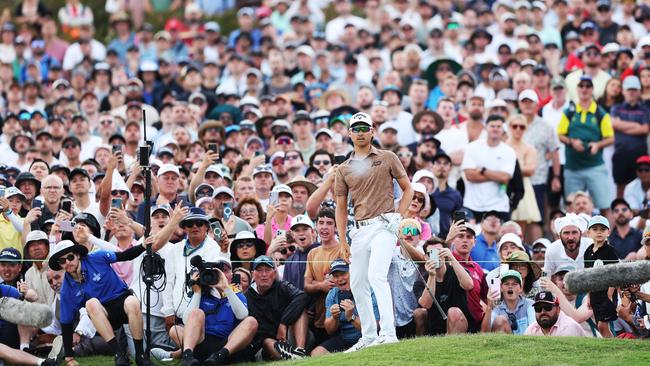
208, 274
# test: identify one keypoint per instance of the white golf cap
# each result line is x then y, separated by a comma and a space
282, 188
511, 238
528, 94
422, 173
168, 168
36, 235
225, 190
301, 220
361, 118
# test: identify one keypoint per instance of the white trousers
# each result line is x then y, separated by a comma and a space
371, 252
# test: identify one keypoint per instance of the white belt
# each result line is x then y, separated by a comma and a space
374, 220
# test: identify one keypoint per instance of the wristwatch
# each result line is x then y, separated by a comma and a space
353, 318
483, 170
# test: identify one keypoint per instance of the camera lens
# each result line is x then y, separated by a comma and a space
209, 277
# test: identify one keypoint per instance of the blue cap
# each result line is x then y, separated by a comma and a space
263, 260
10, 255
588, 25
598, 220
339, 265
586, 78
195, 213
632, 82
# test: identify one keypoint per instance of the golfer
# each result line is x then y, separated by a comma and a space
367, 177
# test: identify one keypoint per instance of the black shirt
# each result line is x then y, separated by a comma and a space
624, 246
606, 253
449, 294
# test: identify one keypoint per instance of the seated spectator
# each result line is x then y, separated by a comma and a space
421, 200
507, 311
449, 283
539, 250
625, 239
530, 272
550, 320
245, 248
636, 191
341, 316
278, 307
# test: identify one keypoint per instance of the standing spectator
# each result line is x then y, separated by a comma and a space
488, 165
631, 123
636, 192
590, 56
72, 15
550, 320
446, 198
625, 239
586, 129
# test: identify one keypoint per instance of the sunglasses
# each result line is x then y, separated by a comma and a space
193, 223
418, 199
518, 127
284, 141
69, 146
360, 129
585, 86
278, 162
290, 248
291, 157
643, 170
117, 192
245, 244
410, 231
106, 122
544, 307
539, 250
67, 258
512, 319
322, 162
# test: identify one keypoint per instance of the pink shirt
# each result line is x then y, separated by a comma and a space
565, 326
259, 230
124, 270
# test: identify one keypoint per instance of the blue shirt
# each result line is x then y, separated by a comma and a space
219, 318
347, 331
8, 291
447, 201
99, 281
487, 257
638, 113
295, 266
524, 314
624, 246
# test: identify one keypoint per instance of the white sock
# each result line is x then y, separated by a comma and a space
23, 346
40, 361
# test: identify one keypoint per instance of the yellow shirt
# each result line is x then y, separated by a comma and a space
9, 237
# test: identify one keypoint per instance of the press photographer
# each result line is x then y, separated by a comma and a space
217, 326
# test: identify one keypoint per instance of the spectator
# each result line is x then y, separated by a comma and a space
625, 239
571, 246
277, 306
446, 198
37, 247
421, 200
585, 167
341, 316
245, 248
629, 120
636, 191
550, 320
485, 251
539, 247
515, 313
485, 173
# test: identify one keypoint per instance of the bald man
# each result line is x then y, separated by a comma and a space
51, 194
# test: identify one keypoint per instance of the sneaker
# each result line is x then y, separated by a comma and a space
289, 352
122, 359
361, 344
382, 339
161, 355
215, 359
56, 353
142, 361
47, 362
189, 360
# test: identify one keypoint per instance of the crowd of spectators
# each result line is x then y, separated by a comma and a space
522, 126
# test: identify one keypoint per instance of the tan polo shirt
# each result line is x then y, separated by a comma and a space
370, 182
318, 267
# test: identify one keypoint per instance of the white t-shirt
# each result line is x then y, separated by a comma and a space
488, 196
406, 135
553, 116
556, 256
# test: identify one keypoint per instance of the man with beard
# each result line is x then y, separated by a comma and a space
625, 239
425, 122
37, 247
418, 94
426, 150
317, 284
365, 97
551, 320
475, 112
570, 248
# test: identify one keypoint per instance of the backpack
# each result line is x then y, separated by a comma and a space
515, 188
571, 111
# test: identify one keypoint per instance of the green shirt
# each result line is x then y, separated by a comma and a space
587, 125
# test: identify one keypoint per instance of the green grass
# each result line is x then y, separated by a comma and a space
483, 350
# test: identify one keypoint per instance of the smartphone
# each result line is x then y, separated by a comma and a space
339, 159
227, 210
274, 198
459, 216
117, 149
434, 256
344, 295
117, 203
646, 55
213, 147
36, 203
217, 229
2, 191
236, 279
66, 205
495, 286
280, 232
66, 226
258, 153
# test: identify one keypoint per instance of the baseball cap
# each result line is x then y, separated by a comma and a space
339, 265
301, 220
282, 188
167, 168
325, 131
546, 297
644, 159
225, 190
10, 255
631, 82
263, 260
361, 118
511, 273
13, 191
264, 168
528, 94
598, 220
586, 78
558, 82
165, 208
564, 268
36, 235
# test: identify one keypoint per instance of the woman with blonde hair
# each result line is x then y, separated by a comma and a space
527, 210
